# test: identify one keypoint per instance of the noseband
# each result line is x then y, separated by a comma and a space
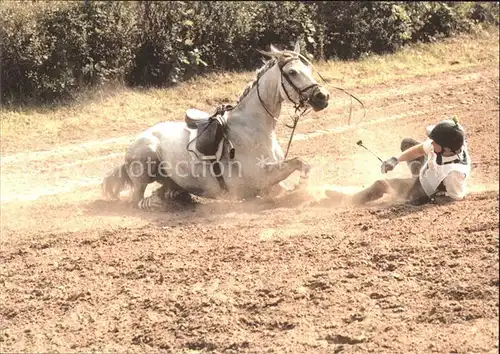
302, 98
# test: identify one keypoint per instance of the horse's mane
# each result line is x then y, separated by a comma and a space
261, 71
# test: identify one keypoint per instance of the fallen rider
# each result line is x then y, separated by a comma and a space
440, 167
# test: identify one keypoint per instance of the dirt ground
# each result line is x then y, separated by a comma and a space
81, 274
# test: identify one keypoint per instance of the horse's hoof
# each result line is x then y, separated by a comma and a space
152, 203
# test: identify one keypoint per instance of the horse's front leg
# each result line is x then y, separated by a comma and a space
278, 171
275, 190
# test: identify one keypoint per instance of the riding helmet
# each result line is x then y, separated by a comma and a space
447, 133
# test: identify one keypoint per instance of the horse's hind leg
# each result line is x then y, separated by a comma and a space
172, 192
140, 180
168, 194
142, 167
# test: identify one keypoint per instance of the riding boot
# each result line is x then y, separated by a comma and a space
417, 195
374, 192
335, 196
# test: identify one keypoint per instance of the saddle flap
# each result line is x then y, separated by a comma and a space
209, 136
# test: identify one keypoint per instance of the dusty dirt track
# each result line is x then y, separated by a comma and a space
80, 274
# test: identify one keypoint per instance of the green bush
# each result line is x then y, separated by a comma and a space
434, 20
219, 33
166, 52
23, 51
356, 28
182, 39
484, 12
53, 49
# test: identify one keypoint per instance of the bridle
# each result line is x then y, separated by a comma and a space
302, 97
297, 105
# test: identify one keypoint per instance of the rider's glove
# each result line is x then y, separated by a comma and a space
389, 165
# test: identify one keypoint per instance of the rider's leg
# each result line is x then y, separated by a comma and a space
373, 192
406, 188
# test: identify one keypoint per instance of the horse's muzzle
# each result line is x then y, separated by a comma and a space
319, 99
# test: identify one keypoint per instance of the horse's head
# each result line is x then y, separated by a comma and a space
297, 81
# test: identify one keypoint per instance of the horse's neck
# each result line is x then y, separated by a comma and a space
251, 111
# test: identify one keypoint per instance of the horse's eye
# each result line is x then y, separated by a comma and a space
292, 72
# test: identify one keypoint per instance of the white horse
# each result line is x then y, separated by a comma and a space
165, 152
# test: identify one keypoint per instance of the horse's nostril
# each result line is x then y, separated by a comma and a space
320, 96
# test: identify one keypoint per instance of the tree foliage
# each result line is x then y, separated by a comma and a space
53, 49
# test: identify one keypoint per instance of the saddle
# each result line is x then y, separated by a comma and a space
208, 132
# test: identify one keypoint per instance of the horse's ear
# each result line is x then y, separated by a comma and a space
274, 49
267, 54
296, 49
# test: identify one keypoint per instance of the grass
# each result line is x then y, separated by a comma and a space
419, 59
115, 111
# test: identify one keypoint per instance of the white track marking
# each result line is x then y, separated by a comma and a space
77, 149
95, 159
35, 193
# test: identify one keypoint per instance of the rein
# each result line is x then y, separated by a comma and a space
298, 106
339, 89
303, 99
295, 123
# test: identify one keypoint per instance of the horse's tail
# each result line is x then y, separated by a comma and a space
116, 180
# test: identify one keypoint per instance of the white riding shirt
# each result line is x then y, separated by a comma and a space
452, 171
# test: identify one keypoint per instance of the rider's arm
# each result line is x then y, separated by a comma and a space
413, 153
